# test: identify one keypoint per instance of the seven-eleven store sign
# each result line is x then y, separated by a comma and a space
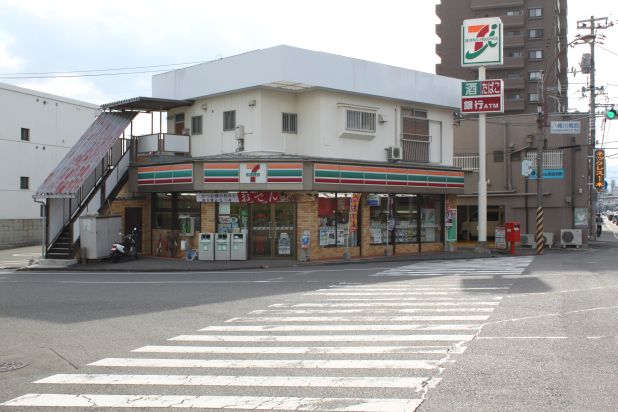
481, 42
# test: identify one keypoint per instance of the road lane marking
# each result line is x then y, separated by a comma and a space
338, 328
337, 293
362, 311
409, 289
381, 304
320, 338
296, 350
216, 402
413, 383
274, 363
429, 318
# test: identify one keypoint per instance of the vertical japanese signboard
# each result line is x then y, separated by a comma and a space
481, 42
354, 202
482, 96
599, 169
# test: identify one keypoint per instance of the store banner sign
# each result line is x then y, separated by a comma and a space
481, 42
253, 173
354, 202
242, 197
599, 169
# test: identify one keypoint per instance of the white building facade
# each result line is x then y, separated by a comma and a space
36, 132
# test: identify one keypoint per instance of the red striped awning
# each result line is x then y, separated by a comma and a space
85, 155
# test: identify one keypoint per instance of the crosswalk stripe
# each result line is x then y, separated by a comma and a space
408, 289
354, 293
429, 318
362, 310
320, 338
381, 304
338, 328
275, 363
212, 402
296, 350
415, 299
413, 383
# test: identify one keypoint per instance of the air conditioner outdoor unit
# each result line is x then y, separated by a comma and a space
528, 240
393, 153
240, 132
570, 237
548, 239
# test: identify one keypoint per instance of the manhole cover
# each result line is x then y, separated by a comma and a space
11, 366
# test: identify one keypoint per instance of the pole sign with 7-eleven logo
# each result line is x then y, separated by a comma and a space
481, 42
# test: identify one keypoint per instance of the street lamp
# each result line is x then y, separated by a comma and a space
542, 124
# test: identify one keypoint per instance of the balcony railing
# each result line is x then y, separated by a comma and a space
160, 143
467, 162
415, 148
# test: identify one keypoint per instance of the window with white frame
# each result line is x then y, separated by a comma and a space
535, 13
515, 53
533, 97
535, 54
289, 123
196, 125
360, 121
229, 120
514, 12
535, 33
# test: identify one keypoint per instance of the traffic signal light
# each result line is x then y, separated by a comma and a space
611, 114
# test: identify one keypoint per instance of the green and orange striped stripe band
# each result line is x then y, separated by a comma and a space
389, 176
165, 175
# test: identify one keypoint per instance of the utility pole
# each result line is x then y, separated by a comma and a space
541, 121
593, 24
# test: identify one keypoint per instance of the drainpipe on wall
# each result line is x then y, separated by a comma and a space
43, 227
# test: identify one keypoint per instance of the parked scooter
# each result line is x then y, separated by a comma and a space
128, 247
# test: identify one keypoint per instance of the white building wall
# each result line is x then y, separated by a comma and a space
55, 125
321, 125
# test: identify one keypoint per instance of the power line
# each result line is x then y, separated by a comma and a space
90, 72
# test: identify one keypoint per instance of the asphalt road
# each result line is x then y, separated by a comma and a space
496, 334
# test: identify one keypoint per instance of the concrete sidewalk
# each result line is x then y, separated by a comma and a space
609, 239
165, 264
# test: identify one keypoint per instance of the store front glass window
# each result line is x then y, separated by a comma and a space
378, 217
232, 217
334, 216
432, 218
188, 213
162, 211
406, 215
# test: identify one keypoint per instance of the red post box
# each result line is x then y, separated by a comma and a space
513, 234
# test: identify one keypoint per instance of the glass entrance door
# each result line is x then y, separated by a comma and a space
273, 230
261, 230
284, 223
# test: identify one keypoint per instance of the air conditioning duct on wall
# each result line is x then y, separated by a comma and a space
570, 237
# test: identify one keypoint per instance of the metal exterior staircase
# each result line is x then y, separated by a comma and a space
84, 180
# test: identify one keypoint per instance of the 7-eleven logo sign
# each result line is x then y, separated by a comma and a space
481, 42
253, 173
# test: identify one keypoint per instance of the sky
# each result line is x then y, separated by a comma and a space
46, 38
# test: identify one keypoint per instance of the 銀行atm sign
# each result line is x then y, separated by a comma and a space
482, 96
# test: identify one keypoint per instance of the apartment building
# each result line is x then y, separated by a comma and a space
36, 131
